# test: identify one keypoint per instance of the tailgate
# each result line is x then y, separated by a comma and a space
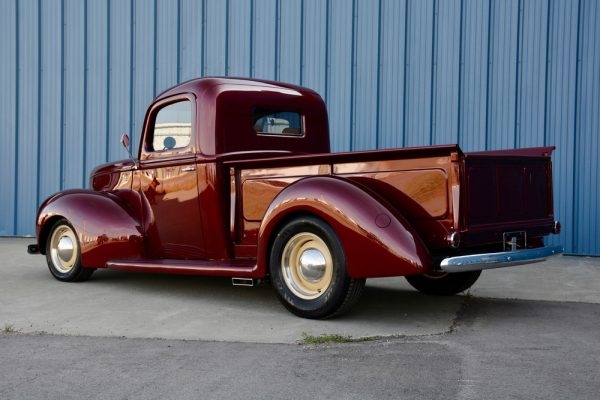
510, 189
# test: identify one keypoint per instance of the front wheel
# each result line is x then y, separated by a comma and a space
443, 283
63, 254
308, 270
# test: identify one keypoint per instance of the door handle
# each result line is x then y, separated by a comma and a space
188, 169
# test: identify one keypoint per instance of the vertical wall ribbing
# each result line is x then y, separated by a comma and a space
85, 91
378, 96
574, 209
107, 115
433, 72
488, 73
353, 75
452, 67
406, 67
17, 78
546, 72
62, 96
131, 70
518, 71
460, 70
39, 99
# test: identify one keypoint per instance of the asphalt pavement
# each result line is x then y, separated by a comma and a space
521, 332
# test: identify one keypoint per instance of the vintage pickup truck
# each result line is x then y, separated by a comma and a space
234, 177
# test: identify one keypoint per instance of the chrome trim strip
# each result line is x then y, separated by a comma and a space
476, 262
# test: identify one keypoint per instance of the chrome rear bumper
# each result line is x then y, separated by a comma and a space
476, 262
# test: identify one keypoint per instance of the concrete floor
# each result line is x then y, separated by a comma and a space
528, 332
136, 305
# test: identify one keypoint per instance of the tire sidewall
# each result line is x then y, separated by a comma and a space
329, 301
74, 272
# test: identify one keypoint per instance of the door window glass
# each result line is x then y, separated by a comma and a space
173, 127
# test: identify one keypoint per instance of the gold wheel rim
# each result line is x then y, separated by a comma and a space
63, 249
307, 266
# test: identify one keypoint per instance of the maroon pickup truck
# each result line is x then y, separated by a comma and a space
233, 177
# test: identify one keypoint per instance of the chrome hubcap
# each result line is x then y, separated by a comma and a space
312, 265
307, 266
63, 248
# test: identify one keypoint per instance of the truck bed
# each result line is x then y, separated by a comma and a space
438, 189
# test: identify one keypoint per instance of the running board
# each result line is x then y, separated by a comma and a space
232, 268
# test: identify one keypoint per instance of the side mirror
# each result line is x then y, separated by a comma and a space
125, 143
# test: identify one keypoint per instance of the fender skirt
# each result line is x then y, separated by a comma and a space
104, 223
376, 239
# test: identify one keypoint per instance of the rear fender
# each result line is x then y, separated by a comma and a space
376, 239
104, 223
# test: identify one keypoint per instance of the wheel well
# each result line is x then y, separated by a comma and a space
46, 231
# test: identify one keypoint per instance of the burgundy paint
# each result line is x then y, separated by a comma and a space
127, 221
370, 251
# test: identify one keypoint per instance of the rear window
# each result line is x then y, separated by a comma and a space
280, 123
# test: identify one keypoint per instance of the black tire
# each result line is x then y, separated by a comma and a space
329, 295
443, 284
62, 269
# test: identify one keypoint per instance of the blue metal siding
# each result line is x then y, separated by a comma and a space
74, 100
8, 115
487, 74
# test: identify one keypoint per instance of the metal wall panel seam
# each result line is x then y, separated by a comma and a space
203, 42
301, 49
39, 98
433, 72
576, 111
277, 37
251, 52
548, 19
226, 37
489, 67
518, 71
131, 68
352, 74
85, 90
327, 60
178, 45
154, 45
378, 96
461, 63
107, 116
62, 95
404, 102
17, 95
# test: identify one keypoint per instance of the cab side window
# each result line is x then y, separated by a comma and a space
280, 123
172, 127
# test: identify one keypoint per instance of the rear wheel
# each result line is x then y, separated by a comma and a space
308, 270
443, 283
63, 254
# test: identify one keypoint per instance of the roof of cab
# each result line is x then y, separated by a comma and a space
198, 85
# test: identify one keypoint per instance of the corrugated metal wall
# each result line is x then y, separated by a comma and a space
492, 74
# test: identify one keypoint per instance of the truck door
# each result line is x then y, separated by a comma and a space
169, 183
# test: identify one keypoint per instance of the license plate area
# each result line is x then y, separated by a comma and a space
516, 240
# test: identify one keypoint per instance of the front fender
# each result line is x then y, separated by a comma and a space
376, 239
104, 223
